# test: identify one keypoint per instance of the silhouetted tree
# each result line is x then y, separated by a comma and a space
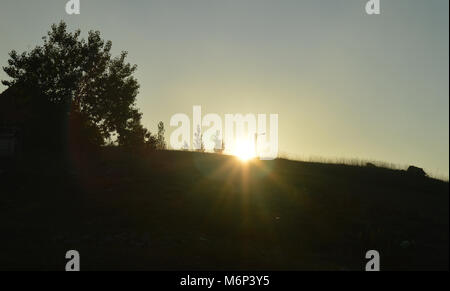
160, 141
219, 144
151, 141
81, 80
223, 147
198, 140
134, 134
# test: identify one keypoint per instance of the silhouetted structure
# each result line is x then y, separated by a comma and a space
8, 142
12, 117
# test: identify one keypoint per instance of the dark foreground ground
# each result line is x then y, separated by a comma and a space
193, 211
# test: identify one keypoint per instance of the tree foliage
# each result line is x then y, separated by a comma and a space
199, 145
79, 76
160, 141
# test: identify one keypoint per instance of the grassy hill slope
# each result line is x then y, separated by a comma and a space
194, 211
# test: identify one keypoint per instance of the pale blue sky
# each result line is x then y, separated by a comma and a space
344, 84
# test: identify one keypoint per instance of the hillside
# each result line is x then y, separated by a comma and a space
190, 211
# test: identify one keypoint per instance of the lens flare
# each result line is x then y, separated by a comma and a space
244, 150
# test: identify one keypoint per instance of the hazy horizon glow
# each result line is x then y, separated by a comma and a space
343, 83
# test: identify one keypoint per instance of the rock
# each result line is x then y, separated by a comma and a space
415, 171
370, 165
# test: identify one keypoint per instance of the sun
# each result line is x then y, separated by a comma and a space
244, 150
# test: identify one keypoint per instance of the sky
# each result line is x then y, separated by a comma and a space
344, 84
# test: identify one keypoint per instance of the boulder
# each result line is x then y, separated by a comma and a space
370, 165
415, 171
